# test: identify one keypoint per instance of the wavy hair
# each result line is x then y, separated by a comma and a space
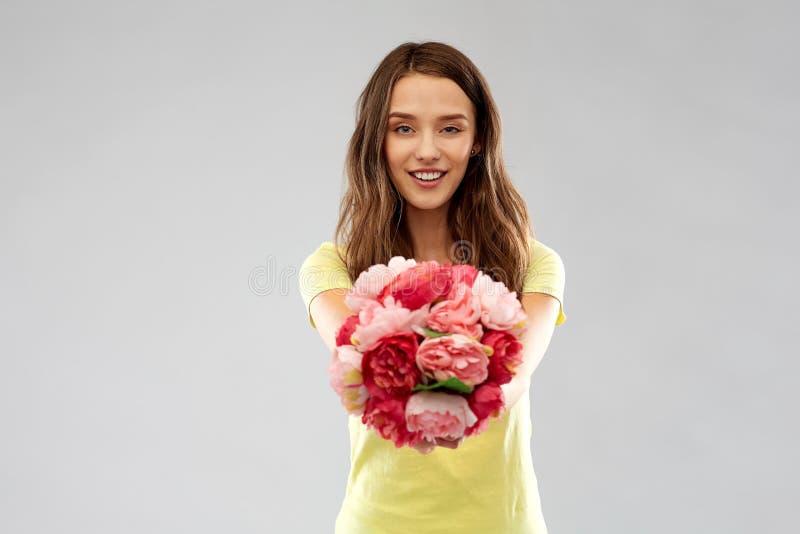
487, 217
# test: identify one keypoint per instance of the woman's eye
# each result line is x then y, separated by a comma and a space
407, 129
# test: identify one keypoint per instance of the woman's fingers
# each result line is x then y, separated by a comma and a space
449, 443
425, 446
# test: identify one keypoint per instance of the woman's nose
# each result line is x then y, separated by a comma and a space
427, 148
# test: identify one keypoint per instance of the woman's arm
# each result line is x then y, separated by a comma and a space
329, 312
542, 310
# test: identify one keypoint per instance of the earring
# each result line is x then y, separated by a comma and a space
472, 152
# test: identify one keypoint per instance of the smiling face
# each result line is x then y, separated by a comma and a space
430, 133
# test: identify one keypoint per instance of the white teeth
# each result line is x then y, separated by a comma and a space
428, 176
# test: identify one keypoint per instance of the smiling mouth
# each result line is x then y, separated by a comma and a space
428, 176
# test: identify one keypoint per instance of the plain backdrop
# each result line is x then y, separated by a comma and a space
166, 167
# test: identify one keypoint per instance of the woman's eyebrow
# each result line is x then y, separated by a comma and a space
402, 115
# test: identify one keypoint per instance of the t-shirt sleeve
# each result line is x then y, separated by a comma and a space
323, 269
546, 275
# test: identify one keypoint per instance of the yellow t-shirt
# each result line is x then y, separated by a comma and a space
485, 486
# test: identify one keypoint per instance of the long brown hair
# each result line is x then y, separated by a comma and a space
487, 217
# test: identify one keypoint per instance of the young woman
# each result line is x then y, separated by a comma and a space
426, 180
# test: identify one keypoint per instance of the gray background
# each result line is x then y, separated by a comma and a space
166, 166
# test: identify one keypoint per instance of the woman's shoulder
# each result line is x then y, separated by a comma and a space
321, 270
540, 250
546, 273
326, 253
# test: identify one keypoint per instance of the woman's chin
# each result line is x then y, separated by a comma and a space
427, 204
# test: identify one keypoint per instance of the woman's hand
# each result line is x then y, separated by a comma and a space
425, 446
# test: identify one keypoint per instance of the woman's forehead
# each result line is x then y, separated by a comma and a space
418, 95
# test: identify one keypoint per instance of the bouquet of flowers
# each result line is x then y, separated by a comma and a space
426, 350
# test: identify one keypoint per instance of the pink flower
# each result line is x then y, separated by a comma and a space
399, 264
387, 417
344, 372
389, 367
506, 355
460, 313
370, 283
376, 321
500, 309
455, 355
419, 285
484, 401
438, 415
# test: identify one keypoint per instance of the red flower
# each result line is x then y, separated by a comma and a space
346, 330
419, 285
389, 367
388, 418
464, 273
484, 401
506, 357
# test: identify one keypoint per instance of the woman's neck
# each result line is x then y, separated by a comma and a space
429, 233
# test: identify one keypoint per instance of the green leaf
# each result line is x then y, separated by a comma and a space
434, 333
451, 383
